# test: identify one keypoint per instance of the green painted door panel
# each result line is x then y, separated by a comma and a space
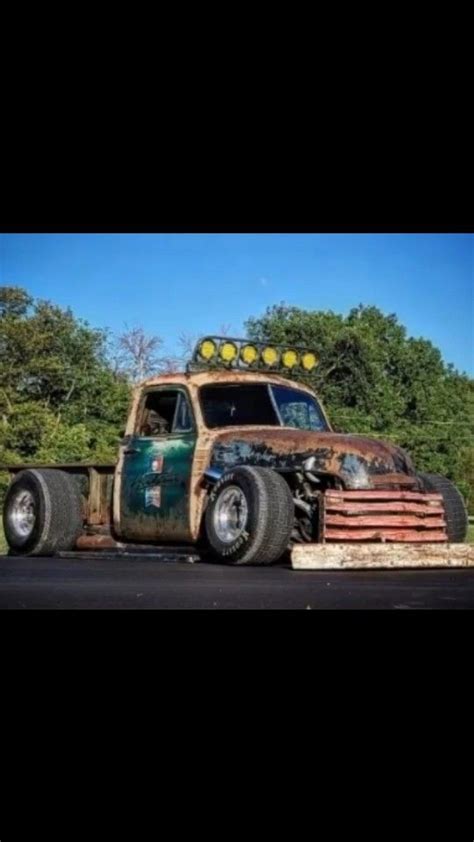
155, 487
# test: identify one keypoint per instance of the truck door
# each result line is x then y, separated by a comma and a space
156, 470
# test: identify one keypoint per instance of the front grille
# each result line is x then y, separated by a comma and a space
405, 516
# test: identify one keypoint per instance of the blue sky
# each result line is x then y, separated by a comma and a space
196, 283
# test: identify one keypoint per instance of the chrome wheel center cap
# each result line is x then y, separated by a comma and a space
230, 514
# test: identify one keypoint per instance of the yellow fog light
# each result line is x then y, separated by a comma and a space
228, 352
207, 349
248, 354
270, 356
309, 361
289, 359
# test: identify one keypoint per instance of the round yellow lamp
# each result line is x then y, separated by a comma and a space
290, 358
207, 349
270, 355
228, 352
248, 354
309, 361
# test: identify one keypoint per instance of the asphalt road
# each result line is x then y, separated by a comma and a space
137, 582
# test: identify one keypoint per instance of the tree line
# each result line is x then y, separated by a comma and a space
65, 387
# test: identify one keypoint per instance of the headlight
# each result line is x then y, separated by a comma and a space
290, 359
270, 355
228, 352
248, 354
207, 349
309, 361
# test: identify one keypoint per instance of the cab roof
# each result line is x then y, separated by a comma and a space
210, 376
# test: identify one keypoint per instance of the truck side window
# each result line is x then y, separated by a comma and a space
158, 413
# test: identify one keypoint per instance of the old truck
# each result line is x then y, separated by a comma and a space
240, 461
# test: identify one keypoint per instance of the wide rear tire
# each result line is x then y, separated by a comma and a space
42, 513
455, 509
249, 517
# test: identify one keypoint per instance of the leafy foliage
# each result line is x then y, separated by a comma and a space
60, 400
375, 380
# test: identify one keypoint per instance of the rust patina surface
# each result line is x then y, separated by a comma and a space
356, 461
349, 462
353, 459
387, 516
196, 494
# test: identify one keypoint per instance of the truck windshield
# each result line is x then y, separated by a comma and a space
234, 405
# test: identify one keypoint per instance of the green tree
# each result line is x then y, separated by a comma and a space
376, 380
60, 400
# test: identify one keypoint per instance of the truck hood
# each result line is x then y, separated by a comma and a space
358, 461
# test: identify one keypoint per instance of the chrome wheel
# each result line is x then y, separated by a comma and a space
22, 513
230, 514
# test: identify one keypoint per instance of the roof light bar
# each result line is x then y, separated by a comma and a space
246, 355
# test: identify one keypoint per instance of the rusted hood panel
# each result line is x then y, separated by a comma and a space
360, 462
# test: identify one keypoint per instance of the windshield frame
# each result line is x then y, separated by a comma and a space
268, 385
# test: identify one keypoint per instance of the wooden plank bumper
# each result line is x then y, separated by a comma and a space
382, 556
385, 515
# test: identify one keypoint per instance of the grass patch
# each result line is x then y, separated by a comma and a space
3, 543
470, 534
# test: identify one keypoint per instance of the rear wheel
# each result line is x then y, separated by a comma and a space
249, 517
454, 506
42, 514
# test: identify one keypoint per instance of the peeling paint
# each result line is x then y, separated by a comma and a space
353, 459
172, 468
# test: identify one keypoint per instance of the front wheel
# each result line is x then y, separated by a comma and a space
249, 517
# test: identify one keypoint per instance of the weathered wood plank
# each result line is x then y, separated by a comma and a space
367, 508
381, 495
395, 535
383, 556
383, 520
105, 466
95, 491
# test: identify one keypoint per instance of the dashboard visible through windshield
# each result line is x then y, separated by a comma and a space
239, 404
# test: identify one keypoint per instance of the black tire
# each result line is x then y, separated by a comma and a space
454, 506
269, 522
56, 504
